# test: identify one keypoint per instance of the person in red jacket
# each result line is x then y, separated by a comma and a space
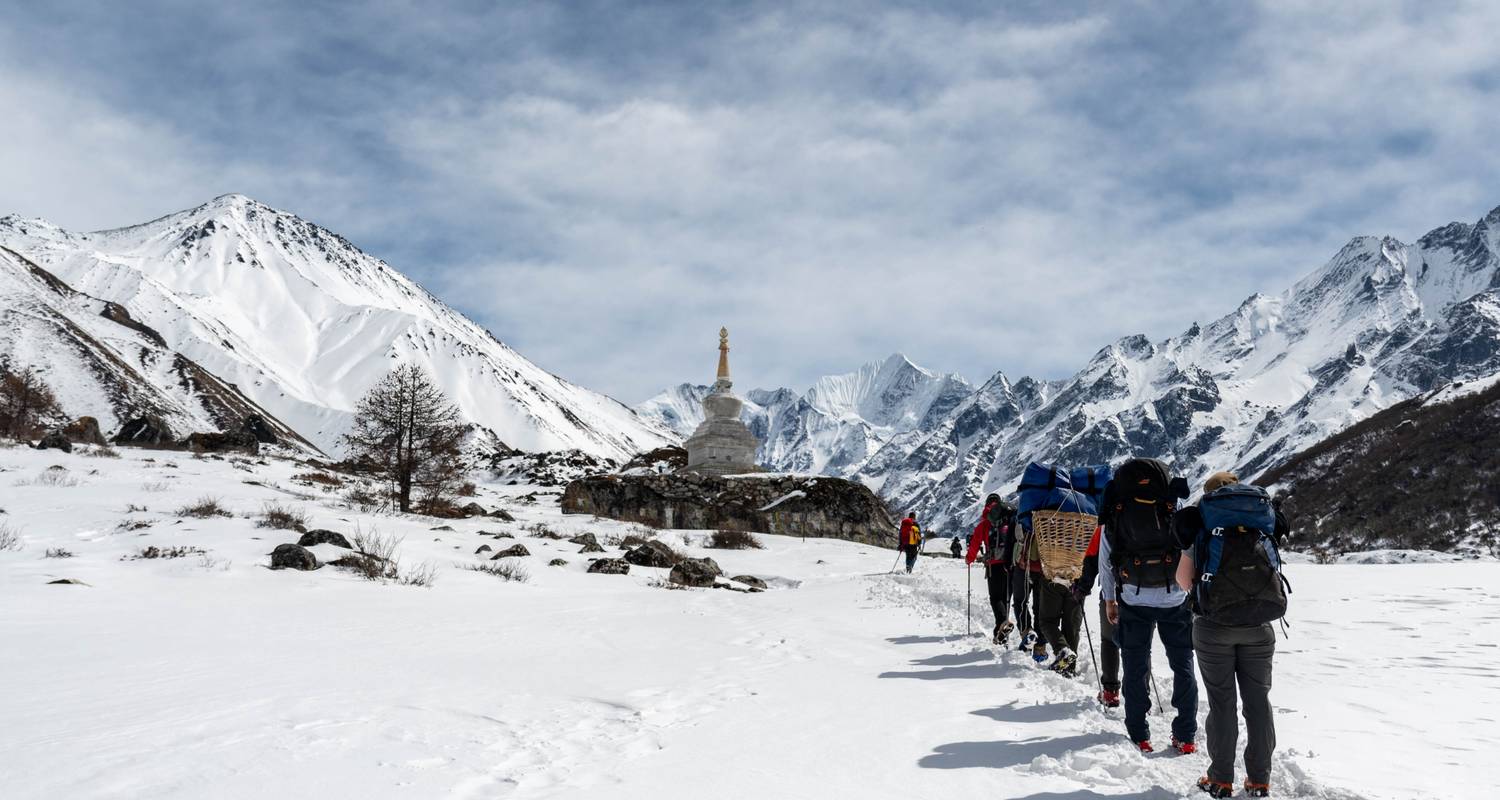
994, 539
911, 539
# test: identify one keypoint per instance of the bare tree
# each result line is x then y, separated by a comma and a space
25, 401
406, 430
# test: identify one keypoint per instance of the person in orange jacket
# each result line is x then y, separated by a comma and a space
911, 539
994, 538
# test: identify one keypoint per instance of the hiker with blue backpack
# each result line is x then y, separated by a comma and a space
1138, 556
1232, 566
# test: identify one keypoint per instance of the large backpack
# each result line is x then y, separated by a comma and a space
1239, 569
1143, 549
1002, 519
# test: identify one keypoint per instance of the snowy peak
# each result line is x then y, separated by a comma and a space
306, 322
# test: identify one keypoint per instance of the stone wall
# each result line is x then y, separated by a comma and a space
794, 506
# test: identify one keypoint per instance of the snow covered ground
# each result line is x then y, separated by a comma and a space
213, 677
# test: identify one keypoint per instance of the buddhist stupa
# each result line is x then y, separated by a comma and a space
722, 445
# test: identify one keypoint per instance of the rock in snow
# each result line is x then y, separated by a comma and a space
610, 566
322, 536
291, 556
695, 572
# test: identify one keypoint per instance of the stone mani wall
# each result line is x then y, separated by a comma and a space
810, 506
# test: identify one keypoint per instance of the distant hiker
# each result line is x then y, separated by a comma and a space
1142, 596
1233, 568
994, 538
956, 547
911, 539
1109, 652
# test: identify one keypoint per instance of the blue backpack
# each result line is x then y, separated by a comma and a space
1239, 569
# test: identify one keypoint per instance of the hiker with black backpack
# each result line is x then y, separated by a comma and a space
994, 539
1142, 597
1233, 568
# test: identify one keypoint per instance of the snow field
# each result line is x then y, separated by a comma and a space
213, 677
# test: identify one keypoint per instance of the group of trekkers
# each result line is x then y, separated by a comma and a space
1204, 578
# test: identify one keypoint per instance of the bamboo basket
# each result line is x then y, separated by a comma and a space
1063, 537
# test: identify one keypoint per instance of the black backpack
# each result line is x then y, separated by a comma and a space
1002, 519
1239, 568
1141, 500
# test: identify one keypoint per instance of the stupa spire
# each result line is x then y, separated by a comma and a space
724, 355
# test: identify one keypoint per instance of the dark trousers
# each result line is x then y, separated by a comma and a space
1133, 634
997, 578
1230, 657
1025, 591
1109, 652
1059, 617
911, 556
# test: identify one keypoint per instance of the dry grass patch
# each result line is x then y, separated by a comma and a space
504, 570
282, 518
10, 538
204, 508
57, 552
734, 540
154, 552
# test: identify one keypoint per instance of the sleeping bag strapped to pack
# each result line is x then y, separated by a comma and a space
1090, 480
1045, 487
1143, 549
1239, 570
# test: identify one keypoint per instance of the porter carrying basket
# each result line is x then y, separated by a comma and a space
1063, 538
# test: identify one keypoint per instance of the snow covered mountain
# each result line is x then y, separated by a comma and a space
837, 425
304, 323
100, 362
1381, 322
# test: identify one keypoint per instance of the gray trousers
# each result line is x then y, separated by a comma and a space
1109, 652
1230, 657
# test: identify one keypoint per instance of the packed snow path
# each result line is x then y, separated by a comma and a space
215, 677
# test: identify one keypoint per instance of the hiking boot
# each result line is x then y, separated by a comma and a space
1257, 789
1214, 788
1109, 698
1039, 653
1002, 632
1028, 640
1066, 663
1185, 748
1145, 747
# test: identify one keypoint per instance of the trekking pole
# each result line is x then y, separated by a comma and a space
1097, 674
969, 600
897, 563
1157, 689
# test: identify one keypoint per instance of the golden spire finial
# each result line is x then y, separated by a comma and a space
723, 354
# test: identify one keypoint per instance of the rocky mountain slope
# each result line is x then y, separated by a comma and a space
101, 362
834, 427
1381, 322
1418, 475
304, 323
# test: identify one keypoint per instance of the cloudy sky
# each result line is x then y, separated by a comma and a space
981, 186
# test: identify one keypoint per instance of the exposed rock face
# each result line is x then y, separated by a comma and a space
291, 556
322, 536
55, 440
652, 554
84, 430
695, 572
663, 459
794, 506
610, 566
145, 432
216, 442
256, 426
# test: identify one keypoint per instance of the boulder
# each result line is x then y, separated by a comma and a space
652, 554
695, 572
473, 510
257, 428
321, 536
591, 548
55, 440
585, 539
84, 430
484, 548
146, 431
502, 515
790, 505
291, 556
610, 566
558, 562
442, 528
218, 442
751, 581
515, 551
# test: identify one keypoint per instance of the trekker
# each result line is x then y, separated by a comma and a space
1233, 568
911, 539
1142, 596
994, 538
1109, 652
1026, 580
956, 547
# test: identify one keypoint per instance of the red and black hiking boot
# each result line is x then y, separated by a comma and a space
1185, 748
1214, 788
1145, 747
1109, 699
1257, 789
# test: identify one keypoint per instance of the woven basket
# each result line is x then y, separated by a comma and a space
1063, 537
